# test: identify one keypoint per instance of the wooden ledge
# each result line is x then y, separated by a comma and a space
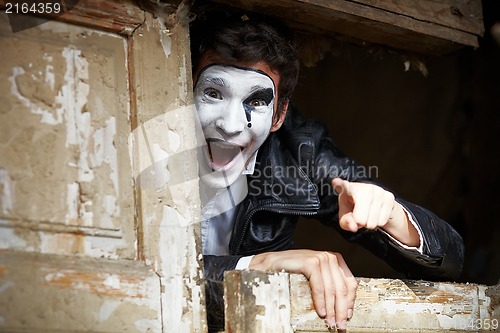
281, 302
117, 16
424, 26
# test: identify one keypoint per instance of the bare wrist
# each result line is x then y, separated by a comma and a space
257, 262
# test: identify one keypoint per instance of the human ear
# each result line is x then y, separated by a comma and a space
278, 121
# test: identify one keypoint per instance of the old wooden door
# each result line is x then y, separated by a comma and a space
88, 103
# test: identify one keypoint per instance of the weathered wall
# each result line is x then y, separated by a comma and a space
64, 118
54, 293
163, 149
84, 115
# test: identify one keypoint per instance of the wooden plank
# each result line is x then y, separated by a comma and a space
52, 293
382, 305
385, 305
118, 16
462, 15
363, 23
165, 170
256, 302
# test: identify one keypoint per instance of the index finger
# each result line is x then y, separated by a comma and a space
341, 186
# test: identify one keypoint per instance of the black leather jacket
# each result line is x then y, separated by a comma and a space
292, 178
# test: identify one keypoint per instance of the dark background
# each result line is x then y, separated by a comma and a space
434, 139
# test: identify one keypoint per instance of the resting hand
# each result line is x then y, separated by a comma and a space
333, 287
369, 206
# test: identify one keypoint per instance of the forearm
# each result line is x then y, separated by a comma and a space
400, 227
442, 248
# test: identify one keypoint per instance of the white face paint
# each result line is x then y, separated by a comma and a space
235, 106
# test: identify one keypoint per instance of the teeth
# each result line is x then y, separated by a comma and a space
224, 146
222, 153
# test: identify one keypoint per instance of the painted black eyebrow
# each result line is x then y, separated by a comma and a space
235, 66
215, 80
265, 94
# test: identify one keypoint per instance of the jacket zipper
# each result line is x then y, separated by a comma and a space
271, 208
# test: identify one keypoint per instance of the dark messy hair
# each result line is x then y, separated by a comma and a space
248, 38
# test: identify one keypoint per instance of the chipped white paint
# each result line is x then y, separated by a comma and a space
95, 146
160, 169
50, 77
170, 237
72, 202
112, 281
254, 299
439, 315
183, 80
104, 150
102, 245
172, 218
48, 117
73, 98
165, 40
70, 98
150, 134
11, 240
77, 210
175, 240
110, 210
6, 191
106, 310
275, 292
484, 309
147, 325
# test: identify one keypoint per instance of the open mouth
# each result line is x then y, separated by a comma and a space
222, 153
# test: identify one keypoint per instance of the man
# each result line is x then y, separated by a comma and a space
244, 73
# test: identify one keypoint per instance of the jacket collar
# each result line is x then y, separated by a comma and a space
279, 180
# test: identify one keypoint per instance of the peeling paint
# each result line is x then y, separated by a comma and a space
6, 192
10, 240
166, 41
104, 151
95, 282
145, 325
112, 281
107, 309
73, 97
48, 117
160, 170
183, 80
72, 202
172, 218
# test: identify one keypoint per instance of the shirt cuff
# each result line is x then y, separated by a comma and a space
243, 263
406, 247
